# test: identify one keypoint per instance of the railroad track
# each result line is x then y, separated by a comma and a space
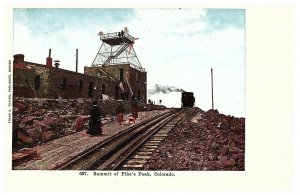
117, 152
138, 158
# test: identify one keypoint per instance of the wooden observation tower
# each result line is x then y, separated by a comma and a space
117, 49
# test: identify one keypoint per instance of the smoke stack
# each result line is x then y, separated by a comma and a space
49, 60
19, 61
76, 60
56, 63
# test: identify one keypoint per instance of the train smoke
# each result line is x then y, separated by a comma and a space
163, 89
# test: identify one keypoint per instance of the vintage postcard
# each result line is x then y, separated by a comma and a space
143, 92
130, 94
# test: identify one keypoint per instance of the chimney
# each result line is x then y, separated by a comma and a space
56, 63
49, 60
76, 60
19, 61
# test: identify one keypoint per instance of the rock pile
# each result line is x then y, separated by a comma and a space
202, 141
37, 120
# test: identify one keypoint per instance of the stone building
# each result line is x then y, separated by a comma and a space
116, 73
131, 82
46, 81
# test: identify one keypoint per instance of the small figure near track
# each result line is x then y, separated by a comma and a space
135, 109
120, 112
95, 120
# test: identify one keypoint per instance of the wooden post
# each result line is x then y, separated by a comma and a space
76, 60
212, 88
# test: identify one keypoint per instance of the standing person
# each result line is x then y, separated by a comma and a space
134, 108
122, 33
120, 112
95, 121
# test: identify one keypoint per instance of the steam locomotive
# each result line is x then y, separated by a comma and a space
187, 99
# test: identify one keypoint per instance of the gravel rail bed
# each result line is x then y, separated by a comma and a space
203, 141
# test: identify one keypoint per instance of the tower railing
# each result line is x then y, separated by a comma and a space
116, 35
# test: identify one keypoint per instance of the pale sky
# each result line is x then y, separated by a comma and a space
177, 47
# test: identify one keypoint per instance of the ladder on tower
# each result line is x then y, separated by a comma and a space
117, 53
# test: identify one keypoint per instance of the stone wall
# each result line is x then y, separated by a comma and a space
19, 91
68, 84
41, 80
135, 78
44, 82
23, 82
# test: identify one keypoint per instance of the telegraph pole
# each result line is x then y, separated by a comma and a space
76, 60
212, 88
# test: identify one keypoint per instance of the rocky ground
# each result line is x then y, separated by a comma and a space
202, 141
39, 120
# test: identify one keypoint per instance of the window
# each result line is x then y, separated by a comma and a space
64, 85
103, 89
121, 74
91, 89
80, 85
37, 82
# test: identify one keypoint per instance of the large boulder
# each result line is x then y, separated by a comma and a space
24, 138
46, 136
48, 120
79, 123
20, 106
212, 112
34, 133
40, 124
225, 125
27, 120
40, 111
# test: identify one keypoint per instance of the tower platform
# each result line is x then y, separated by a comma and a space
117, 38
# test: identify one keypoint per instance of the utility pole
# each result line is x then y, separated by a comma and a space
212, 88
76, 60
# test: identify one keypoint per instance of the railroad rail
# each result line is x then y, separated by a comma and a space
139, 155
115, 151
